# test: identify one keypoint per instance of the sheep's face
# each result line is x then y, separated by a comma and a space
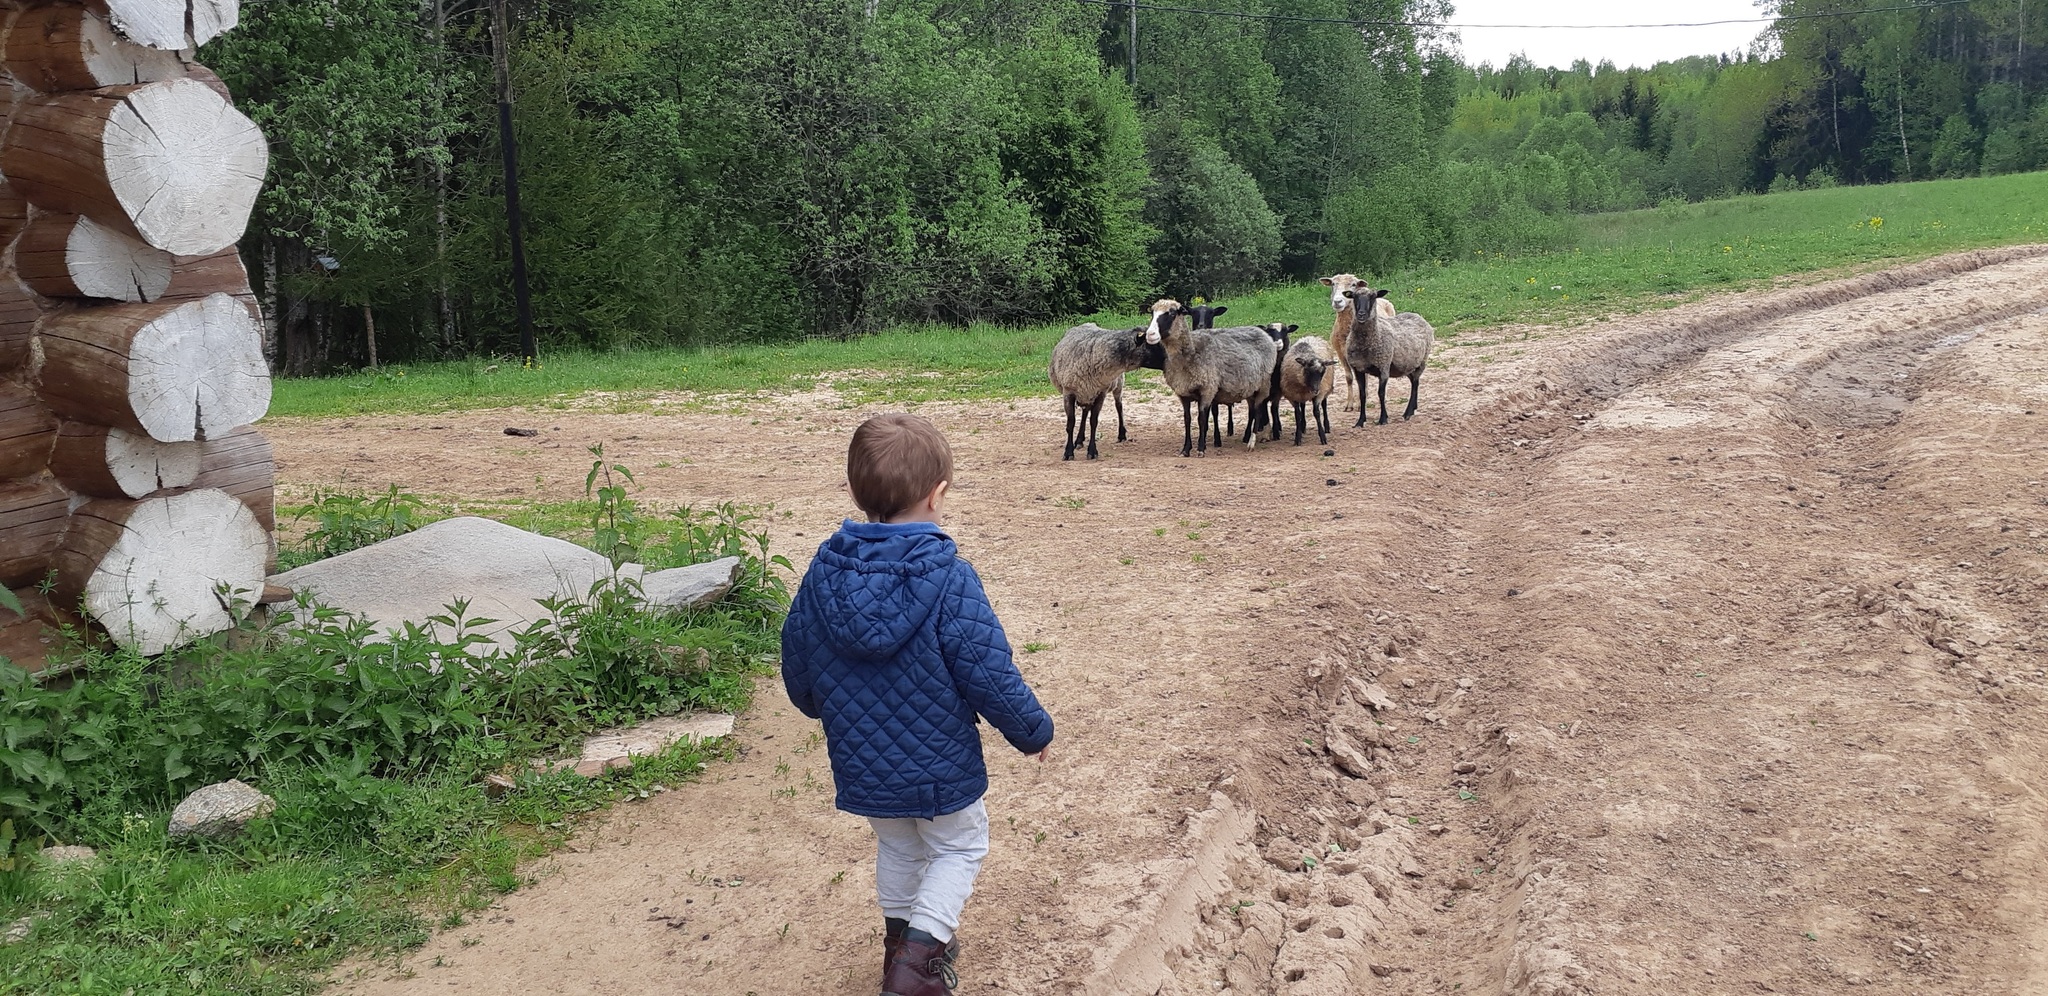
1164, 312
1280, 331
1312, 369
1376, 299
1202, 316
1340, 287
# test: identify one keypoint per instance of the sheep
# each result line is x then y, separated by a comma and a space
1281, 334
1089, 363
1308, 372
1198, 316
1386, 346
1341, 329
1204, 369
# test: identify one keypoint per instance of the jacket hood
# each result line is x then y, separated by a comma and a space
884, 581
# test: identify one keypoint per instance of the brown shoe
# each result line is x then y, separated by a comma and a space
919, 966
892, 936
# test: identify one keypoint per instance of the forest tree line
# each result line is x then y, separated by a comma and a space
697, 172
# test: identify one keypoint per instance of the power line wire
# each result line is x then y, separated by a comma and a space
1369, 22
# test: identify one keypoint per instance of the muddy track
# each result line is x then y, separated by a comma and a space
1693, 653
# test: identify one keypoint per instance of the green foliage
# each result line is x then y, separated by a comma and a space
1216, 234
346, 521
371, 744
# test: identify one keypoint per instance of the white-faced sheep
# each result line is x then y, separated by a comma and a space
1088, 364
1205, 369
1307, 375
1340, 330
1386, 346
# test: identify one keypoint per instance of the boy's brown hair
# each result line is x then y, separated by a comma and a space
894, 461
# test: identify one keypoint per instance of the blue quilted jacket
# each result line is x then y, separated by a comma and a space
891, 641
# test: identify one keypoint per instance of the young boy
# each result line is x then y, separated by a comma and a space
892, 642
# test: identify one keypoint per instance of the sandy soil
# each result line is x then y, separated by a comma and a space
1698, 652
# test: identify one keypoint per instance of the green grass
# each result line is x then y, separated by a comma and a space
1623, 263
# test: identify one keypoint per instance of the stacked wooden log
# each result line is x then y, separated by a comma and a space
133, 495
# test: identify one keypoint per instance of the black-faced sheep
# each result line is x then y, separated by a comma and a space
1340, 330
1307, 375
1205, 369
1088, 364
1386, 346
1282, 334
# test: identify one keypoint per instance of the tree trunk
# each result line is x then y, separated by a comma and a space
195, 277
161, 572
27, 431
172, 163
69, 255
27, 639
105, 462
20, 309
13, 213
71, 48
33, 517
176, 372
243, 466
170, 24
370, 335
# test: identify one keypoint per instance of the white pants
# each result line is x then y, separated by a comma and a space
924, 869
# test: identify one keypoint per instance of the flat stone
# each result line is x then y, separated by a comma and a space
692, 586
68, 854
1346, 754
219, 810
18, 931
614, 750
503, 572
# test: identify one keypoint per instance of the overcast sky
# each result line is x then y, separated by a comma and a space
1638, 46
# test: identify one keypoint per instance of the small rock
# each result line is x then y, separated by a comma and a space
1465, 683
18, 931
1329, 452
68, 854
1382, 970
1465, 767
1407, 682
1463, 884
219, 810
1439, 829
1346, 754
1331, 482
1512, 592
1967, 875
510, 431
497, 785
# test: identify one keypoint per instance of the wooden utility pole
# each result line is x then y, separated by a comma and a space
1131, 45
501, 42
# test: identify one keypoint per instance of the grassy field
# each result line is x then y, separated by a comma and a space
1623, 263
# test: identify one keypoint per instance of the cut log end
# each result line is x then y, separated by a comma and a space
171, 24
162, 572
114, 463
68, 255
60, 47
177, 373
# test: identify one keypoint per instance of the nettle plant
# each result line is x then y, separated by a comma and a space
315, 693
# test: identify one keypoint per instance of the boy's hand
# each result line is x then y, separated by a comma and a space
1045, 755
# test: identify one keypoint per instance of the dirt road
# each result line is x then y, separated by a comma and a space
1699, 652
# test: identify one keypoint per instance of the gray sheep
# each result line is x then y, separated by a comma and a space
1205, 369
1308, 373
1386, 348
1088, 364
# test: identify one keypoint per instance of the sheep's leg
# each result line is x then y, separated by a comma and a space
1091, 419
1120, 436
1187, 422
1414, 394
1300, 417
1207, 414
1252, 427
1323, 420
1230, 412
1363, 405
1383, 398
1273, 417
1071, 405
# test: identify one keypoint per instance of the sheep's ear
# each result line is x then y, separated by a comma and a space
1213, 312
1327, 282
1291, 329
1379, 293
